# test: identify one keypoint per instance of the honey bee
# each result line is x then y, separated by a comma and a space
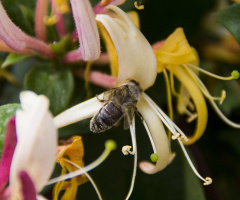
119, 102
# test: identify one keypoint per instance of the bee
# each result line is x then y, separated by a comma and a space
119, 102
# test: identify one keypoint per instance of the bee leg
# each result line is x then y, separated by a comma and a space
100, 100
140, 115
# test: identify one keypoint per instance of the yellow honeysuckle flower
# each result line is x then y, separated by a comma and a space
181, 60
73, 151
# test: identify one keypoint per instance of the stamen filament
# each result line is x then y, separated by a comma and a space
109, 146
88, 176
208, 73
203, 88
207, 180
134, 143
168, 122
150, 136
172, 85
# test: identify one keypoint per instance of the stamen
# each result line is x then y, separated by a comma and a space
172, 86
233, 74
63, 6
203, 88
183, 137
50, 20
109, 146
217, 110
223, 96
174, 137
165, 119
191, 117
207, 180
149, 135
139, 5
88, 176
134, 142
127, 149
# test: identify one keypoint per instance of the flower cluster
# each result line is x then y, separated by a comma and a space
32, 146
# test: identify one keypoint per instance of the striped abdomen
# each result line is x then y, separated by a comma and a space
107, 116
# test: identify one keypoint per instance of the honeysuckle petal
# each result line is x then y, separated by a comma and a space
28, 191
198, 100
110, 46
16, 39
87, 29
159, 137
100, 8
136, 58
40, 13
73, 150
79, 112
175, 51
5, 48
37, 142
9, 144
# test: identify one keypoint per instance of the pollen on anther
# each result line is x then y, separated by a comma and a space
183, 137
139, 6
174, 137
126, 149
208, 181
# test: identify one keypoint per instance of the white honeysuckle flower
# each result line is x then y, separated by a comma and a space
137, 61
35, 151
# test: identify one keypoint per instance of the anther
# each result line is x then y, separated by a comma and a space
183, 137
126, 150
192, 117
50, 20
223, 96
174, 137
104, 2
139, 5
208, 181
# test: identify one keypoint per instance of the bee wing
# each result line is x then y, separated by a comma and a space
128, 116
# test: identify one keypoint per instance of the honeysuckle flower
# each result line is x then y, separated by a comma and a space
72, 150
137, 61
181, 60
36, 142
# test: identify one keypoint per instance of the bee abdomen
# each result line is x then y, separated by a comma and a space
108, 115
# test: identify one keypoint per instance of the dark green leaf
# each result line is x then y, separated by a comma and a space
230, 19
13, 58
6, 111
57, 84
28, 16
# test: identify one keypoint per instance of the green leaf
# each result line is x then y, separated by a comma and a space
193, 188
6, 111
28, 16
230, 19
13, 58
56, 83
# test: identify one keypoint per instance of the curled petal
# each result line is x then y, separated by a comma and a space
37, 142
79, 112
159, 137
136, 58
198, 99
175, 51
87, 29
16, 39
